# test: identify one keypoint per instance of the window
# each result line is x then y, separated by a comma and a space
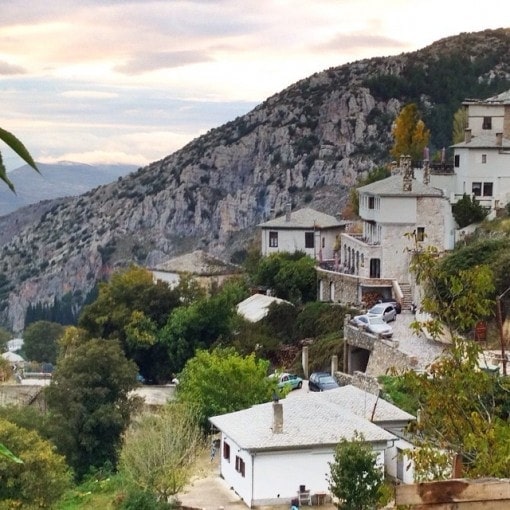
476, 189
273, 239
371, 202
457, 160
484, 158
487, 189
487, 123
226, 451
420, 234
323, 242
309, 240
240, 465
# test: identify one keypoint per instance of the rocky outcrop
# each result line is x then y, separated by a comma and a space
307, 144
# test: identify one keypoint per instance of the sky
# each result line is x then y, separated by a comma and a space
132, 81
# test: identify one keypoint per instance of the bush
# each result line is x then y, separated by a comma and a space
467, 211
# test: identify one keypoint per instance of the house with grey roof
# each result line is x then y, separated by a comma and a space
398, 214
306, 230
271, 451
482, 160
386, 415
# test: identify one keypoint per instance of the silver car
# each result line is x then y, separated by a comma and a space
385, 311
374, 325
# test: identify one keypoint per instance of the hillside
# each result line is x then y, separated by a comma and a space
63, 179
306, 144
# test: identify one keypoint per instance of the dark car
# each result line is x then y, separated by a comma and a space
321, 381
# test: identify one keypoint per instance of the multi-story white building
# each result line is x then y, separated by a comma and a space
399, 214
482, 161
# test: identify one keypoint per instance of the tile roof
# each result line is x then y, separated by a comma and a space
392, 186
199, 263
308, 421
304, 218
362, 404
483, 142
256, 307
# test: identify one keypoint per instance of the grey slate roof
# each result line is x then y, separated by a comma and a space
305, 218
199, 263
362, 403
308, 421
392, 186
503, 98
483, 142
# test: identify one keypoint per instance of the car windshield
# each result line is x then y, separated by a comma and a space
327, 379
377, 309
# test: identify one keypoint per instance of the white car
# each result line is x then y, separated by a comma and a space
373, 325
385, 311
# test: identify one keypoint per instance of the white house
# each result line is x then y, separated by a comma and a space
256, 307
482, 160
388, 416
398, 214
270, 451
306, 230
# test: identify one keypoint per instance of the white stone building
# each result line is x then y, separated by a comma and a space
270, 450
482, 161
398, 215
306, 230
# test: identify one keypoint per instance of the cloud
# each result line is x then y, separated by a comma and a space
89, 94
356, 41
151, 61
6, 68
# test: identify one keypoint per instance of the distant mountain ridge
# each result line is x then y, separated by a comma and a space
307, 144
61, 179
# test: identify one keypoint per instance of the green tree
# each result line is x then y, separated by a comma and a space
160, 449
291, 276
17, 146
42, 476
40, 340
222, 381
201, 324
409, 133
355, 479
463, 410
132, 308
468, 210
460, 123
90, 404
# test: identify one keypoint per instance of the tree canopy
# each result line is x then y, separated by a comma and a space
355, 478
40, 341
42, 476
160, 448
222, 381
89, 403
409, 133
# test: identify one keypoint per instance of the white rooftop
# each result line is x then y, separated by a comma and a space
256, 307
308, 421
305, 218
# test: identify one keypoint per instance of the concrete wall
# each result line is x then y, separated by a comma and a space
22, 395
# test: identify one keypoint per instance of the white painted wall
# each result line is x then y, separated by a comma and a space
292, 240
476, 114
274, 477
394, 456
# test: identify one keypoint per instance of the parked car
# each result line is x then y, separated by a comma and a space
292, 380
385, 311
392, 301
374, 325
285, 379
321, 381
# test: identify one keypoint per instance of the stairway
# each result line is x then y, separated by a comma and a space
407, 299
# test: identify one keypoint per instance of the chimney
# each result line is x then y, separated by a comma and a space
499, 139
277, 418
467, 135
288, 206
407, 180
426, 172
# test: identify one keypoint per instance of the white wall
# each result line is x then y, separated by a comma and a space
242, 485
394, 456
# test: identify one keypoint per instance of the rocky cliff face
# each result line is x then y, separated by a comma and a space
307, 144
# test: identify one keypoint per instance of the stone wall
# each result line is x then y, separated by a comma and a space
385, 358
21, 395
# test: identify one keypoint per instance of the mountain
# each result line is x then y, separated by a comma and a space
56, 180
306, 144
